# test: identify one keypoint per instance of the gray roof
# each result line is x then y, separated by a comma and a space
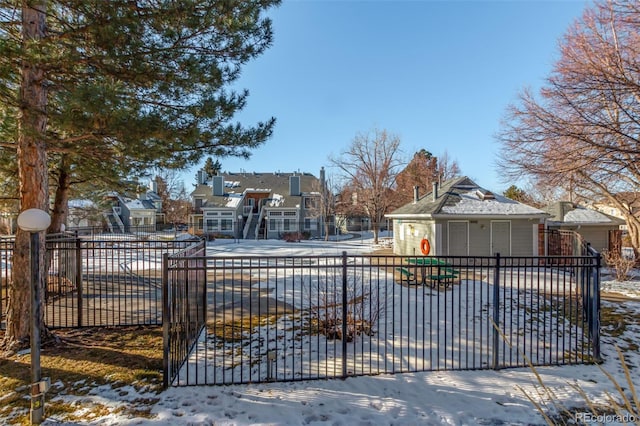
275, 184
461, 197
138, 204
567, 213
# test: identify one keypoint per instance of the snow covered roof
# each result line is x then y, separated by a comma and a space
277, 200
461, 197
81, 204
585, 215
565, 212
471, 203
137, 204
233, 200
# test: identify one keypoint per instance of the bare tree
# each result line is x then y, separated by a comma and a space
173, 194
325, 208
371, 165
447, 168
582, 132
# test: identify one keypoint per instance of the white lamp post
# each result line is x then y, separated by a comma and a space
35, 221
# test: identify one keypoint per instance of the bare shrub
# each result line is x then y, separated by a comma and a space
620, 264
292, 237
326, 309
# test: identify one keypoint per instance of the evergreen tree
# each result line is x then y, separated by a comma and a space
118, 85
212, 169
517, 194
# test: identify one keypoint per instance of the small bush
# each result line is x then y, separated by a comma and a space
362, 310
620, 264
292, 237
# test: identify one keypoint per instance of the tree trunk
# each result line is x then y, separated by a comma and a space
61, 201
376, 231
633, 226
32, 174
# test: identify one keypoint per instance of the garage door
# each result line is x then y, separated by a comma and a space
501, 237
459, 238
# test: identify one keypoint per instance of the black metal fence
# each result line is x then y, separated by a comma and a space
301, 318
184, 296
253, 319
6, 253
98, 283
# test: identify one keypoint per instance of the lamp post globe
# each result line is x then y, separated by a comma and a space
34, 220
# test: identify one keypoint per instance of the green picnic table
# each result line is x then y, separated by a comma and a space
434, 270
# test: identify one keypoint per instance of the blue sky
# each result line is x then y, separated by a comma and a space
439, 74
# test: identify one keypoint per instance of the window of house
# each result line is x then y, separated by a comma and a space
311, 203
310, 224
226, 225
212, 224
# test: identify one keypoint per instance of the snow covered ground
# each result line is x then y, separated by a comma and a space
430, 398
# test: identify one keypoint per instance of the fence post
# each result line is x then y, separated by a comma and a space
594, 320
202, 269
165, 320
496, 313
344, 314
79, 279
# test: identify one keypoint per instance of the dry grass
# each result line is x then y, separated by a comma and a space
623, 403
237, 330
80, 361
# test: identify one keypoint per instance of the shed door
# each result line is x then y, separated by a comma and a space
501, 237
459, 238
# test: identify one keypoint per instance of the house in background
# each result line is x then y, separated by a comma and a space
631, 203
257, 205
601, 230
9, 216
124, 212
460, 218
84, 213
